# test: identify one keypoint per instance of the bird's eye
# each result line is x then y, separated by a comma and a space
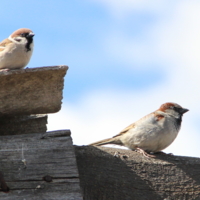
177, 109
23, 34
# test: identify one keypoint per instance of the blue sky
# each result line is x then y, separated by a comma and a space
75, 33
125, 59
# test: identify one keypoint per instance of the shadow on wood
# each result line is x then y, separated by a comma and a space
117, 174
23, 124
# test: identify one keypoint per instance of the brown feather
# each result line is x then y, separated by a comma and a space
115, 139
4, 43
125, 130
20, 31
159, 117
107, 141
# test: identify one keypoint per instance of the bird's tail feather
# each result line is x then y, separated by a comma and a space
114, 140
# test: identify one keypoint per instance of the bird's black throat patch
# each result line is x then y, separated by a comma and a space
28, 44
178, 122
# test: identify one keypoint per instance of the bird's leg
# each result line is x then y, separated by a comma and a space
144, 153
4, 70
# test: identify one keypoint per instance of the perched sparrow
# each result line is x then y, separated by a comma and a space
16, 50
152, 133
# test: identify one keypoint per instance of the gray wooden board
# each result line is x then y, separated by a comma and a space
26, 159
118, 174
31, 90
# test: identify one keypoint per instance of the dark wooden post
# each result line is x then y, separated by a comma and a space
117, 174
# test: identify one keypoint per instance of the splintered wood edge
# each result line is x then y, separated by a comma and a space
35, 69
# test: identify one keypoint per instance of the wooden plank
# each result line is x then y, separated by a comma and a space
118, 174
23, 124
39, 166
32, 90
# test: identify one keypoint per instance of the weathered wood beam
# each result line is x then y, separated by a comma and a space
32, 90
39, 166
117, 174
23, 124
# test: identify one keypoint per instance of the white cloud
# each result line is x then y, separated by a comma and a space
120, 9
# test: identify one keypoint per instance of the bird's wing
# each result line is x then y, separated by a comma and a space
151, 118
4, 43
125, 129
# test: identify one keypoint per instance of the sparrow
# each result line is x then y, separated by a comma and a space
152, 133
17, 49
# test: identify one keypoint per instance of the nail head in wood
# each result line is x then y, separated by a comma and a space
47, 178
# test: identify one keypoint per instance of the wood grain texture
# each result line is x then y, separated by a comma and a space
26, 160
31, 90
23, 124
117, 174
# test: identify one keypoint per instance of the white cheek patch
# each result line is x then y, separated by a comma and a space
16, 39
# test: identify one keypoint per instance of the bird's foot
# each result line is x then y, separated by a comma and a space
144, 153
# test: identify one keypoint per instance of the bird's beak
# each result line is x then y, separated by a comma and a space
184, 110
30, 35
